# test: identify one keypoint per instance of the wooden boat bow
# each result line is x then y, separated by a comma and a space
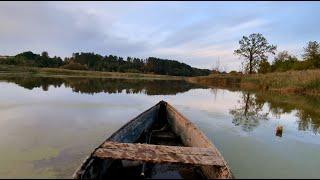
127, 144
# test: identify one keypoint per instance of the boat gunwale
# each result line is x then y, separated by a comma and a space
203, 136
87, 161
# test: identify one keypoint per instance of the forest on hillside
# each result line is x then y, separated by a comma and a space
110, 63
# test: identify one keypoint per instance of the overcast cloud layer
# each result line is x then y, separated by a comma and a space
197, 33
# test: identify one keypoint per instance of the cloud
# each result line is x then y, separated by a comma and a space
60, 30
202, 44
197, 33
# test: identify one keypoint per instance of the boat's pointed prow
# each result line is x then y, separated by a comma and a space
159, 138
162, 102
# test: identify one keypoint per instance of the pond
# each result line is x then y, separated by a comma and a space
49, 125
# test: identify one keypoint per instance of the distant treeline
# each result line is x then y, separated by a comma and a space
111, 63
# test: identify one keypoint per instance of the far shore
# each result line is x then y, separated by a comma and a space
290, 82
9, 70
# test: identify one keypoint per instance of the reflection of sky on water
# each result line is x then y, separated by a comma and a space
59, 125
201, 100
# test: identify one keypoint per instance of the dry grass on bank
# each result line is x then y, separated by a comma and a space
307, 81
7, 70
300, 82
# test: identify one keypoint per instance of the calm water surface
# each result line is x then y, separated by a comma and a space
49, 125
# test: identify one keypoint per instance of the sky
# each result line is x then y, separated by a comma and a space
197, 33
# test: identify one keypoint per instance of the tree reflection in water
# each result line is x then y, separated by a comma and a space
306, 108
106, 85
249, 113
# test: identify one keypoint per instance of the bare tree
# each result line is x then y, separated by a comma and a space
216, 67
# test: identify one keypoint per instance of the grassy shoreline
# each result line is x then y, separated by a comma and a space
8, 70
297, 82
292, 82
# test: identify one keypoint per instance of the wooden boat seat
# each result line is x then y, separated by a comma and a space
164, 135
159, 154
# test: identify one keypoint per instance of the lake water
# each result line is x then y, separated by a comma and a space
49, 125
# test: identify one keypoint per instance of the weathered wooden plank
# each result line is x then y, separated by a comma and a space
164, 135
159, 148
159, 154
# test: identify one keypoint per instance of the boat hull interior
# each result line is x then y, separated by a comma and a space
159, 125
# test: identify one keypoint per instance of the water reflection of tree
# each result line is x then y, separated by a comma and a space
309, 121
249, 113
306, 108
214, 92
30, 83
106, 85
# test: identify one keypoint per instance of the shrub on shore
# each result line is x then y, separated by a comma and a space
74, 66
